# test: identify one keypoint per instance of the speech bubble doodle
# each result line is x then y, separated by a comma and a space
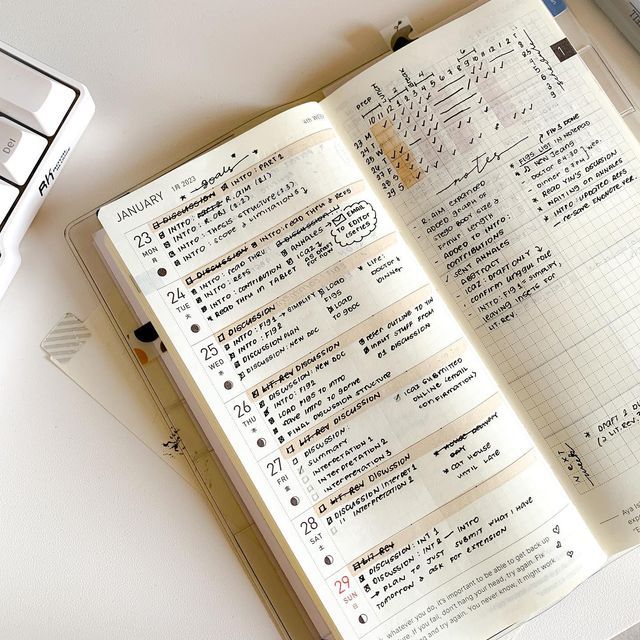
354, 223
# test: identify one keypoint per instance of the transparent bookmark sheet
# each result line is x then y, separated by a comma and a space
184, 437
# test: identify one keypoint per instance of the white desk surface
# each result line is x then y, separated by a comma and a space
99, 537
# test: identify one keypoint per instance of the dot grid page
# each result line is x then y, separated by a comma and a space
518, 182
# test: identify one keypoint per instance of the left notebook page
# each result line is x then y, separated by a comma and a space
394, 474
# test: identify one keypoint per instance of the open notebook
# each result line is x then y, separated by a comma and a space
408, 314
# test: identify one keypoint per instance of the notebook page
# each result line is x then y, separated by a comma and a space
388, 464
517, 180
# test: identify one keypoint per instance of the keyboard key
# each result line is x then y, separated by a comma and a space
20, 149
31, 97
42, 115
8, 195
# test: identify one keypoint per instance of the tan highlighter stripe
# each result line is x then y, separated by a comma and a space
205, 272
281, 155
344, 266
321, 430
428, 444
446, 511
398, 152
325, 351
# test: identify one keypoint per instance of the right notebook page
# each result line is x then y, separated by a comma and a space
518, 182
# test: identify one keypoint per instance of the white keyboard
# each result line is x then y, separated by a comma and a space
42, 116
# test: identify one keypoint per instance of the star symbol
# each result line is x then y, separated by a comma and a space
183, 197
